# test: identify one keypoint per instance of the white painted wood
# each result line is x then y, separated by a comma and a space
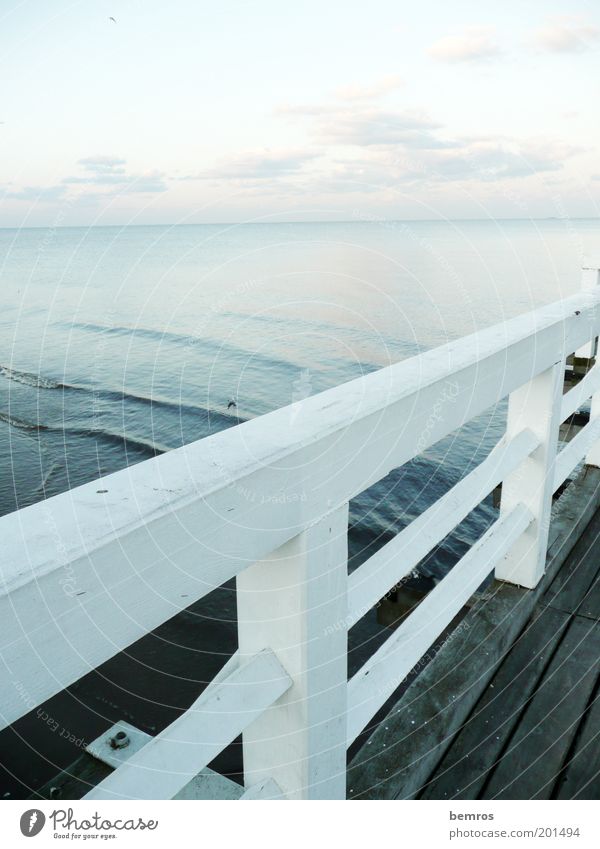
208, 784
590, 280
535, 405
575, 451
224, 672
579, 394
174, 757
295, 601
590, 276
590, 283
369, 584
267, 789
593, 455
86, 573
376, 681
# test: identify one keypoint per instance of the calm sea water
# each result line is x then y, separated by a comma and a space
117, 343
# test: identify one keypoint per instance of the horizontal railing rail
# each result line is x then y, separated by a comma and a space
86, 573
399, 557
170, 760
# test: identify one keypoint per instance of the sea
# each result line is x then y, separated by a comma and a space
118, 343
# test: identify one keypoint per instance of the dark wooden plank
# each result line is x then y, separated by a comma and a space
529, 767
590, 606
463, 771
579, 573
581, 777
76, 781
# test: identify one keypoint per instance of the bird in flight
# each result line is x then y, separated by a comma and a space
114, 20
232, 403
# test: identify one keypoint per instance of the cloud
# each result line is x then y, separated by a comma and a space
258, 165
475, 44
473, 160
375, 127
365, 125
383, 148
387, 84
489, 160
100, 177
45, 194
566, 35
103, 163
353, 93
111, 171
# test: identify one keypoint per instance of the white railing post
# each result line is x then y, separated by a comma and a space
590, 280
295, 603
536, 406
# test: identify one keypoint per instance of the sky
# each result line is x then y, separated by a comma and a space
187, 111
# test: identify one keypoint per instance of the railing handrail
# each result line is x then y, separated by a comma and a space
87, 572
200, 470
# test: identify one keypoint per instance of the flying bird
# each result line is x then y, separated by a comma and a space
232, 403
114, 20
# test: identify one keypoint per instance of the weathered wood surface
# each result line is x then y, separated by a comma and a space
531, 764
527, 681
463, 771
590, 606
402, 755
580, 778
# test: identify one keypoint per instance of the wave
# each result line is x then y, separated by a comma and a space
185, 340
30, 379
40, 382
108, 435
122, 330
21, 423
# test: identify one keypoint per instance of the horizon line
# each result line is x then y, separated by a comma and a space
373, 220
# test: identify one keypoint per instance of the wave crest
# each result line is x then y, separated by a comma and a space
29, 379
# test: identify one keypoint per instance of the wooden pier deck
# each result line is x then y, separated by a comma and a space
534, 732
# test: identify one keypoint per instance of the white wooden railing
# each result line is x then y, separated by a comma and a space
88, 572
